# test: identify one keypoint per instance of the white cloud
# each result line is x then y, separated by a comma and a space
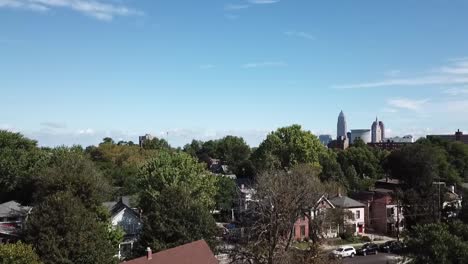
53, 125
408, 104
235, 6
264, 64
87, 131
393, 73
453, 74
98, 9
261, 2
456, 91
300, 34
389, 110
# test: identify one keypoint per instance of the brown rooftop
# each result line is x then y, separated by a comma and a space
197, 252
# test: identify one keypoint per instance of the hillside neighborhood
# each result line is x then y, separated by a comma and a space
221, 202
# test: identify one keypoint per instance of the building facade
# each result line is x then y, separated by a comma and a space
363, 134
143, 139
325, 139
378, 131
356, 208
458, 136
341, 128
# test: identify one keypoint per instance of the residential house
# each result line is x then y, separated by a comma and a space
129, 220
319, 211
357, 209
12, 217
383, 213
197, 252
302, 230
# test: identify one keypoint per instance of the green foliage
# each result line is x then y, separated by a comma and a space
226, 194
176, 196
438, 244
287, 147
156, 144
63, 231
418, 166
120, 163
69, 170
232, 151
18, 253
20, 158
175, 218
175, 169
331, 169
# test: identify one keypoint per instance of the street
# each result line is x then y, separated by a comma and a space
371, 259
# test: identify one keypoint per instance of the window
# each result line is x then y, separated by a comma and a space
390, 212
303, 234
358, 214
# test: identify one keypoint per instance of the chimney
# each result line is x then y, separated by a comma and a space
149, 253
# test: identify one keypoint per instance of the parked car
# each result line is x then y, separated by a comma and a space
343, 252
392, 246
368, 248
397, 247
385, 247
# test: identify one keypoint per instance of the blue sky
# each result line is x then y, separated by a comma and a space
74, 71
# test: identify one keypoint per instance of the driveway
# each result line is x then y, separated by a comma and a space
380, 258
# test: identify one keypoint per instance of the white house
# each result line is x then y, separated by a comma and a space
128, 219
356, 208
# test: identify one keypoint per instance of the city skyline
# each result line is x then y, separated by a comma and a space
73, 75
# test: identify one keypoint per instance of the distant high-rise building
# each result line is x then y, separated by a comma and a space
378, 131
144, 138
341, 128
325, 139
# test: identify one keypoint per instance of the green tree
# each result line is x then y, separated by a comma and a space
234, 152
20, 158
170, 169
18, 253
64, 231
156, 143
331, 169
226, 195
71, 171
287, 147
418, 166
175, 218
437, 244
176, 196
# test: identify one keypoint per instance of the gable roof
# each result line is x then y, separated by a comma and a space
197, 252
345, 202
12, 209
115, 207
323, 198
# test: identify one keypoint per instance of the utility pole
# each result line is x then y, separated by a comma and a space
398, 218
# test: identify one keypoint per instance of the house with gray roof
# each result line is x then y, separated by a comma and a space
357, 209
12, 217
128, 219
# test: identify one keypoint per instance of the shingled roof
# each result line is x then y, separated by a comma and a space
345, 202
197, 252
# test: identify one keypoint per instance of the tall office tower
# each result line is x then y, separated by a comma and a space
382, 129
341, 127
377, 131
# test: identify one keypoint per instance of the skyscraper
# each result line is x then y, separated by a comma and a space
378, 131
341, 128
